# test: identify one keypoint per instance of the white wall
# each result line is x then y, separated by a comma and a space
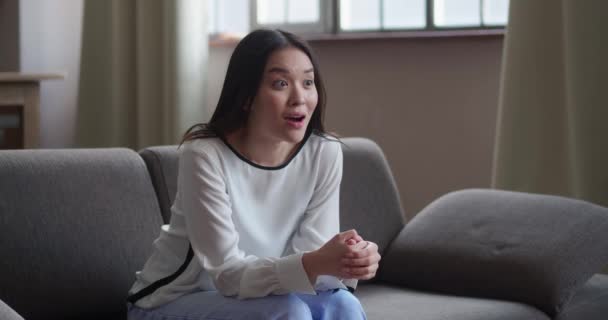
50, 32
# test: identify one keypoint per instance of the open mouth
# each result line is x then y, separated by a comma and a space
297, 119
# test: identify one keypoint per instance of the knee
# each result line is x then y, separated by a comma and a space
345, 306
293, 308
284, 307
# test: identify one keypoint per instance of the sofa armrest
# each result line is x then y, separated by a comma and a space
534, 249
7, 313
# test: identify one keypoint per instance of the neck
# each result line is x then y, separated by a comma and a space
261, 150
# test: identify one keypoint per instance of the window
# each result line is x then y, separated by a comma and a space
294, 15
390, 15
228, 16
335, 16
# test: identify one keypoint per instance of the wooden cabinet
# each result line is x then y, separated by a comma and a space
20, 109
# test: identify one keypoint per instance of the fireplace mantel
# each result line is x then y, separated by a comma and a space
7, 77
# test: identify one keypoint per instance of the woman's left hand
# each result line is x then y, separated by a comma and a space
362, 262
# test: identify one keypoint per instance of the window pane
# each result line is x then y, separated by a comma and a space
495, 12
449, 13
303, 11
271, 11
232, 16
211, 16
401, 14
359, 14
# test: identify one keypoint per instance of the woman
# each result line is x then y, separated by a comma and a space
254, 231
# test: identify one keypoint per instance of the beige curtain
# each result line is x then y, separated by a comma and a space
552, 134
142, 79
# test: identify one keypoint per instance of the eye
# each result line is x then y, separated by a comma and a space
279, 84
309, 83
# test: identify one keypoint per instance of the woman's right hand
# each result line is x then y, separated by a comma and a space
327, 260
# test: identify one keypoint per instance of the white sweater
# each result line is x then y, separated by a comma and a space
248, 225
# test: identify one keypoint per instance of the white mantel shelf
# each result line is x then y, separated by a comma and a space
29, 77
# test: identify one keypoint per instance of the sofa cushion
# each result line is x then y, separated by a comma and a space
385, 302
162, 163
535, 249
369, 200
76, 226
589, 302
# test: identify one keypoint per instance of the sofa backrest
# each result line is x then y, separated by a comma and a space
162, 165
369, 201
76, 226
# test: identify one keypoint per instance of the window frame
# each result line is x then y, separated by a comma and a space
430, 22
328, 26
324, 25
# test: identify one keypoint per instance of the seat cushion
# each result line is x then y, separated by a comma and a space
530, 248
589, 302
386, 302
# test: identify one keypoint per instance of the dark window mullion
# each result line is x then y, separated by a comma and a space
481, 22
430, 11
336, 15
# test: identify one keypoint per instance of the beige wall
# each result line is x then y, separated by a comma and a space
430, 103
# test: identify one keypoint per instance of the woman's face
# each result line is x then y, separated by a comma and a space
286, 98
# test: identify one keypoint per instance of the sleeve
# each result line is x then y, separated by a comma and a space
322, 218
214, 239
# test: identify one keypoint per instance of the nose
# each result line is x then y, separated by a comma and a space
298, 96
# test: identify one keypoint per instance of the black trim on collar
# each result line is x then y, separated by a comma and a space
240, 156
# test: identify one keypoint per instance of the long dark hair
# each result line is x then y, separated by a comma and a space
243, 78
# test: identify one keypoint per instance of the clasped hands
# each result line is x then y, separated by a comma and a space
347, 255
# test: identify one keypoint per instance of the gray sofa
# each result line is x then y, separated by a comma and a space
77, 223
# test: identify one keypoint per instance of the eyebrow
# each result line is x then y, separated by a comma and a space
282, 70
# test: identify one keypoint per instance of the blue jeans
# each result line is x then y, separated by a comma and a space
210, 305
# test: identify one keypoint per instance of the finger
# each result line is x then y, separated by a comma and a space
358, 272
354, 249
352, 233
367, 248
361, 262
351, 242
356, 239
367, 276
358, 250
